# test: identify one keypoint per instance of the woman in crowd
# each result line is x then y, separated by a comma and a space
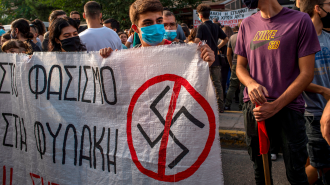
224, 61
186, 31
123, 37
20, 30
5, 37
192, 36
41, 29
16, 46
130, 39
54, 15
63, 36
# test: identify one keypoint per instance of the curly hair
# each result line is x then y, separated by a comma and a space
22, 46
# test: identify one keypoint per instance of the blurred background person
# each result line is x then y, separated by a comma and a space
76, 17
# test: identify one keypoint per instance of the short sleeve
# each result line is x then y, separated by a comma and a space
229, 42
240, 45
130, 39
221, 34
308, 42
200, 32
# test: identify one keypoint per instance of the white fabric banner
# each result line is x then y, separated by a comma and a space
141, 116
229, 18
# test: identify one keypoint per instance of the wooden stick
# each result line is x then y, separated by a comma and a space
266, 169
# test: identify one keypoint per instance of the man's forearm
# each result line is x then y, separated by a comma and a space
230, 60
294, 90
314, 88
223, 42
244, 75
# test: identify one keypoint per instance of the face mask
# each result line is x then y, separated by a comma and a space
12, 36
71, 44
199, 19
170, 34
326, 20
154, 34
251, 4
77, 21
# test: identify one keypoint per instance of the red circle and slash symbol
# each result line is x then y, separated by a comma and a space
178, 83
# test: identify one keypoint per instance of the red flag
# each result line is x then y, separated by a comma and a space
264, 143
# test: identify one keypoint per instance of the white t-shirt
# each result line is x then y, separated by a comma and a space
99, 38
130, 40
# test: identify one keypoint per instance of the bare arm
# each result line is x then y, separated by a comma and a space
223, 42
325, 92
306, 66
325, 123
230, 56
256, 91
128, 44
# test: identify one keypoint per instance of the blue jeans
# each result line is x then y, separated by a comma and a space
288, 126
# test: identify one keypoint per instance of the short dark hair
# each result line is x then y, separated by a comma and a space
167, 13
113, 22
204, 10
6, 36
54, 15
74, 12
143, 6
120, 33
307, 6
92, 9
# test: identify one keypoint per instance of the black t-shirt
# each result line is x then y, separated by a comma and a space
35, 47
82, 28
45, 42
204, 34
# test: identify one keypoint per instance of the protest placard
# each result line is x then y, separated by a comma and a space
228, 18
141, 116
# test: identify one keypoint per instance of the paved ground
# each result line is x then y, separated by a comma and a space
238, 169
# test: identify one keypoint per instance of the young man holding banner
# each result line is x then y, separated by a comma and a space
147, 20
279, 45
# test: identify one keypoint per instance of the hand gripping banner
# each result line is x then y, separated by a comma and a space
141, 116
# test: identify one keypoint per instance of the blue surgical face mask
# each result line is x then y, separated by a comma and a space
170, 34
251, 4
199, 19
154, 34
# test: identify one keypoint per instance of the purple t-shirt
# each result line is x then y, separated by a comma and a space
273, 46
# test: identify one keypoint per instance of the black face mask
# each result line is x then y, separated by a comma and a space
71, 44
251, 4
295, 7
326, 20
77, 21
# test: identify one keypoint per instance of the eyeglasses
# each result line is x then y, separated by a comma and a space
172, 24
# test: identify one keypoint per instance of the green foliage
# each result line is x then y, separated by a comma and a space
117, 9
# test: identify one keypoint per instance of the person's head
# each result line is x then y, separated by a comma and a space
5, 37
215, 20
317, 9
123, 37
20, 30
56, 14
75, 16
40, 26
228, 31
203, 11
218, 24
184, 25
16, 46
131, 32
186, 31
147, 20
92, 11
63, 36
112, 24
34, 31
235, 29
192, 36
169, 25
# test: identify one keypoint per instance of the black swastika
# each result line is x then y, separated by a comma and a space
183, 111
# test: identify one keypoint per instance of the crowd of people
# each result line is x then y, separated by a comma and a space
277, 59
